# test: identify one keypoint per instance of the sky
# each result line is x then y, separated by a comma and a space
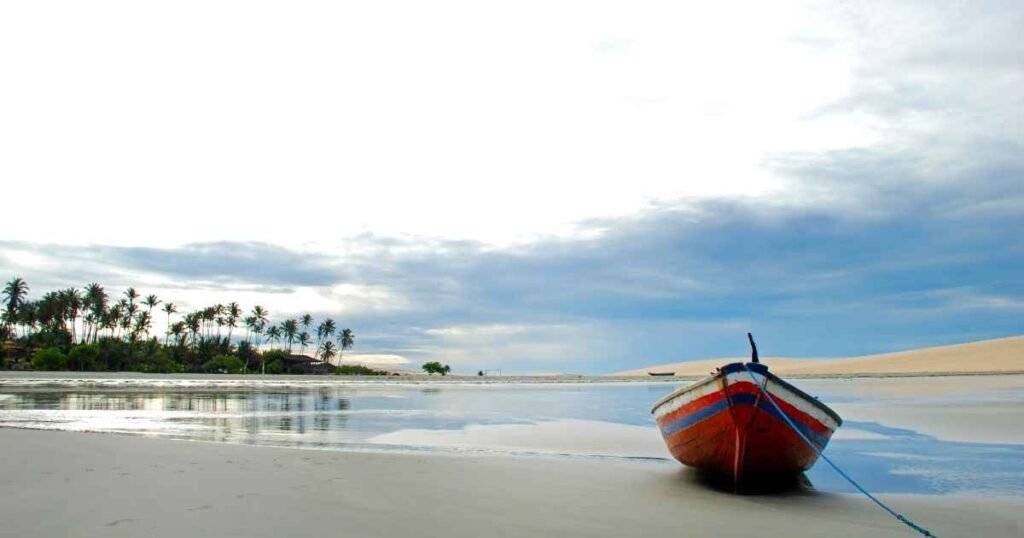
548, 186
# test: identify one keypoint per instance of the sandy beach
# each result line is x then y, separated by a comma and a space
1001, 355
390, 457
76, 484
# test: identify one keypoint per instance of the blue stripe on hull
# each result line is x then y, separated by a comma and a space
741, 399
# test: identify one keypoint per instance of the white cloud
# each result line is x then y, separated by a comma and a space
374, 359
295, 124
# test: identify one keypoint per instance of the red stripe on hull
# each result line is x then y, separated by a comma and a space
741, 439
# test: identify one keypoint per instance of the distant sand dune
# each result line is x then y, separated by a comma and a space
986, 356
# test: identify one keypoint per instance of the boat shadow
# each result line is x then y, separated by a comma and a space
787, 485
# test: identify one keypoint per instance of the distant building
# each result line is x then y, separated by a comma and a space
17, 356
304, 364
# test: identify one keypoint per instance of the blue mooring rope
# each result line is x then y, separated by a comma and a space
892, 512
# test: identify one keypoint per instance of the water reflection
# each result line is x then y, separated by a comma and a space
886, 458
239, 416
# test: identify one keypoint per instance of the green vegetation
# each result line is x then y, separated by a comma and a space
434, 367
91, 330
49, 358
224, 364
85, 357
357, 369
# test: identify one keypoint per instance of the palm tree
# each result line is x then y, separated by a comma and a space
96, 302
169, 308
193, 322
274, 333
218, 318
151, 301
327, 351
207, 316
126, 321
129, 311
325, 331
303, 341
143, 322
14, 295
234, 312
50, 311
130, 294
346, 339
250, 326
306, 321
28, 315
262, 315
290, 328
177, 331
111, 318
73, 305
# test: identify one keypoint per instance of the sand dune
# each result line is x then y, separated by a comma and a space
986, 356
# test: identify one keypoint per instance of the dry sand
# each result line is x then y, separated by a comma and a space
80, 484
987, 356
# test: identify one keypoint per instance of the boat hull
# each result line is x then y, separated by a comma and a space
725, 424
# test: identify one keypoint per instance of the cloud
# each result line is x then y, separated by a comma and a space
684, 280
849, 187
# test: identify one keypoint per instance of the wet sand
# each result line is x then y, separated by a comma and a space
80, 484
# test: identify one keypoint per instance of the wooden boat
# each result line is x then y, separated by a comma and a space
727, 425
660, 374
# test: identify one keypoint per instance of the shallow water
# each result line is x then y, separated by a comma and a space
910, 435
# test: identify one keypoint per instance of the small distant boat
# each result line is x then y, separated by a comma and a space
726, 424
660, 374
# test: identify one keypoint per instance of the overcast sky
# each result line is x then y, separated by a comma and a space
534, 186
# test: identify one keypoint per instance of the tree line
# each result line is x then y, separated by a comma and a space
117, 333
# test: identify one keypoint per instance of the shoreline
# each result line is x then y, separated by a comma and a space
159, 487
47, 379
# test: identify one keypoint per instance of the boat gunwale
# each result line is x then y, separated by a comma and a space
761, 369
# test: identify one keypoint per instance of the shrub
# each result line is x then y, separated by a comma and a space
159, 361
272, 361
84, 357
224, 364
49, 358
274, 366
434, 367
358, 369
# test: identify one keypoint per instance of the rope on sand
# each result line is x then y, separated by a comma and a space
814, 447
